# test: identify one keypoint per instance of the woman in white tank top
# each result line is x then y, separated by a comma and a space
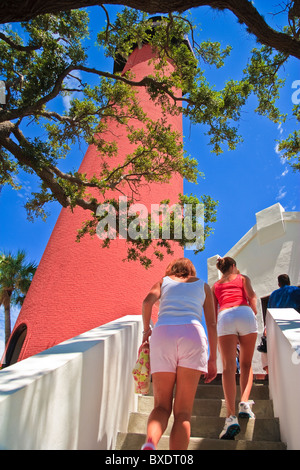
178, 349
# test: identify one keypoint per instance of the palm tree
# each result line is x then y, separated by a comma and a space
15, 278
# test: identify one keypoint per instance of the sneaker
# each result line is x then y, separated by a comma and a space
148, 445
245, 410
231, 428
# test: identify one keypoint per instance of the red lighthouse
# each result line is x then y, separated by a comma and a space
79, 286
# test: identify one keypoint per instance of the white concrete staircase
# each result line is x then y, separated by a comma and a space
261, 433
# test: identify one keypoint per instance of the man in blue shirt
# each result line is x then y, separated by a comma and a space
286, 296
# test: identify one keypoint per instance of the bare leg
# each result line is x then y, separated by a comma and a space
247, 345
186, 386
163, 385
227, 344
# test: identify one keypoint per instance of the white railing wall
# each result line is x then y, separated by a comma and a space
283, 340
74, 396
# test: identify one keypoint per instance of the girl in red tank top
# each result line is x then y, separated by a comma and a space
235, 305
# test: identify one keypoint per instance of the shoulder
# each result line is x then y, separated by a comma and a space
197, 282
245, 279
166, 280
157, 285
294, 288
274, 294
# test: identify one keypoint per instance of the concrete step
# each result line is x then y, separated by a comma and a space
266, 429
211, 407
133, 441
258, 392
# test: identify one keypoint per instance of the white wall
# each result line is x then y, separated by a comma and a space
268, 249
74, 396
283, 339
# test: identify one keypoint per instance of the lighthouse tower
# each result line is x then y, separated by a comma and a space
81, 285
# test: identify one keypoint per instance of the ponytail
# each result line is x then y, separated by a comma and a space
224, 264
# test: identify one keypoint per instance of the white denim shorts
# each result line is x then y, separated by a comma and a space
238, 321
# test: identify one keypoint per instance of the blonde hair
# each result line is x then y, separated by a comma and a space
181, 267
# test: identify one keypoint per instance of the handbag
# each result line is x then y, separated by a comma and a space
141, 371
262, 347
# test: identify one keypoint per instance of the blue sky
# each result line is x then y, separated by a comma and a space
244, 181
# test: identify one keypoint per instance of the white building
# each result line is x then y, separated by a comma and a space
269, 248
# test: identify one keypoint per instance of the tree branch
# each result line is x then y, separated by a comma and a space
21, 112
244, 10
18, 47
45, 173
146, 81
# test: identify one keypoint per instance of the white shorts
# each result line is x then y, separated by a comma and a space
238, 321
178, 345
